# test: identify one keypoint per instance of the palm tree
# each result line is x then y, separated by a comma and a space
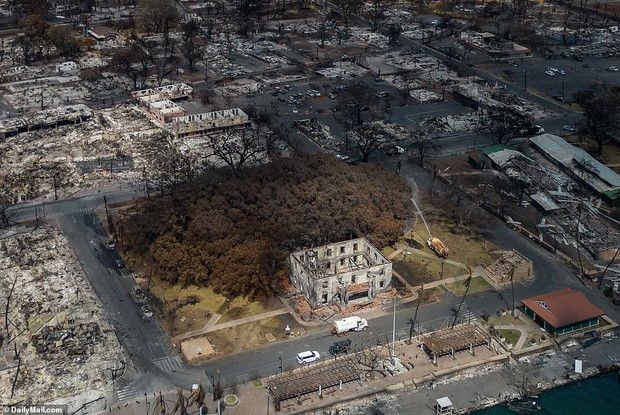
197, 396
160, 405
467, 284
412, 321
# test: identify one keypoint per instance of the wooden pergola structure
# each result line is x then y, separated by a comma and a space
318, 378
454, 339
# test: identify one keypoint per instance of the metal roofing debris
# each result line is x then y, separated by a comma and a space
587, 168
544, 201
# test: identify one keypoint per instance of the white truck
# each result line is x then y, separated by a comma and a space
343, 326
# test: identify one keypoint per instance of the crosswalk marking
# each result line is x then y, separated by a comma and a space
166, 344
74, 211
125, 273
126, 393
169, 364
466, 314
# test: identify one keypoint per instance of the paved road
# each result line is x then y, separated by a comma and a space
156, 362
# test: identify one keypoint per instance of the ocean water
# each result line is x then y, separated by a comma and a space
595, 396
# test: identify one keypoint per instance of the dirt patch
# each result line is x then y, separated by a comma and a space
250, 336
197, 350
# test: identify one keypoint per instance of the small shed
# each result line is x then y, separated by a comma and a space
443, 406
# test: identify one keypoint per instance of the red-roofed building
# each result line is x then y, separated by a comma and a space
562, 311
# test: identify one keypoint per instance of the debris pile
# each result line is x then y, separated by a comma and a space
58, 347
60, 342
511, 265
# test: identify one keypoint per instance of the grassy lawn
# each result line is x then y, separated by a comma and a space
387, 251
507, 320
465, 245
478, 284
241, 307
417, 269
511, 336
183, 309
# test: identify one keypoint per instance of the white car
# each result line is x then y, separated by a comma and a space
342, 157
612, 69
308, 357
561, 72
295, 110
550, 72
568, 128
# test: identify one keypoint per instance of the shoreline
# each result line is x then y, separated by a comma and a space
606, 371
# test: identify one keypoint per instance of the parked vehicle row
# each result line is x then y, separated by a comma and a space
341, 327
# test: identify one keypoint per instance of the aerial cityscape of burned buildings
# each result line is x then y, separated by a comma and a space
505, 108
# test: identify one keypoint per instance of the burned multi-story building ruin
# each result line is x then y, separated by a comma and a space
210, 123
340, 273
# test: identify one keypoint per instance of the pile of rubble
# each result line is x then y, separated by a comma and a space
111, 146
58, 347
60, 342
318, 132
511, 266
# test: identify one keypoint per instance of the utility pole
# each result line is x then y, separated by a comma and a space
512, 288
55, 187
393, 353
525, 78
563, 97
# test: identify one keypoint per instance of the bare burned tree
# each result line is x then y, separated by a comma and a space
370, 357
600, 103
189, 48
156, 15
377, 14
504, 125
347, 8
237, 148
425, 144
393, 32
247, 11
166, 168
353, 100
369, 137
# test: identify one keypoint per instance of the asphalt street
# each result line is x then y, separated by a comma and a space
155, 361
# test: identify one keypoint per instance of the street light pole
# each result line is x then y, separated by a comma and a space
525, 78
393, 354
280, 357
